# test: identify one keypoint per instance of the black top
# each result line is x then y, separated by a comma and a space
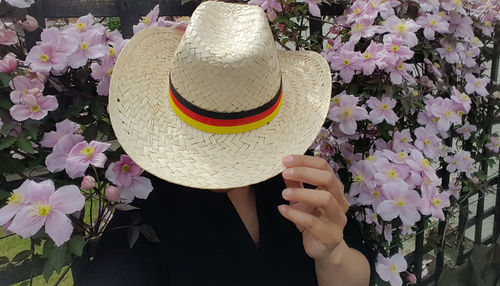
204, 242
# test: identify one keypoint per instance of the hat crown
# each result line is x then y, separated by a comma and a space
229, 50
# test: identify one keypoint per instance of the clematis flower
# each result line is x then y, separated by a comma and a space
402, 141
389, 268
398, 70
381, 7
466, 130
432, 23
88, 183
402, 29
373, 56
85, 24
56, 161
150, 20
347, 113
400, 201
396, 49
103, 73
313, 8
8, 37
477, 85
33, 107
30, 24
461, 26
362, 29
15, 202
427, 141
90, 47
444, 110
121, 172
139, 188
382, 110
48, 207
390, 172
62, 128
493, 144
84, 154
347, 62
468, 56
434, 201
429, 5
22, 85
461, 98
363, 177
9, 63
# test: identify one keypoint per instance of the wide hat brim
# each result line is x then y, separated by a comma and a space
161, 143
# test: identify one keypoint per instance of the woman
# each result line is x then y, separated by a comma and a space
237, 236
212, 113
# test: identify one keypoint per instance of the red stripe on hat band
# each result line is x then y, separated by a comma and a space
224, 122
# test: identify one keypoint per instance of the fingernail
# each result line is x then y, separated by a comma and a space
288, 159
287, 193
282, 208
288, 172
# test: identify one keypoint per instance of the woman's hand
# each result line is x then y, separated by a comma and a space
318, 213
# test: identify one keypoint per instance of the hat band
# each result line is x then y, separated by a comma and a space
224, 122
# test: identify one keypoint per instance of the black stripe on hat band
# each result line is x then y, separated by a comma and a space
225, 115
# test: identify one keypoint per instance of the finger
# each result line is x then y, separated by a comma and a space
306, 161
326, 180
323, 231
323, 200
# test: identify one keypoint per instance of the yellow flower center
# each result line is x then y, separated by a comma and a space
44, 58
447, 113
42, 209
435, 119
81, 26
436, 202
436, 65
401, 155
347, 62
356, 11
427, 142
487, 24
393, 268
146, 20
465, 96
87, 151
458, 2
401, 27
468, 53
110, 72
476, 40
433, 22
125, 168
358, 178
392, 174
35, 108
84, 46
367, 56
371, 158
425, 162
336, 100
112, 52
449, 48
328, 46
478, 83
376, 193
395, 48
460, 113
373, 4
347, 112
384, 107
404, 140
359, 27
15, 199
400, 66
400, 203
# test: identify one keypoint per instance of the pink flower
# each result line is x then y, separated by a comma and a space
399, 70
8, 37
402, 141
33, 107
56, 161
375, 7
347, 62
461, 26
30, 24
362, 29
62, 128
427, 141
313, 8
121, 172
468, 56
400, 201
453, 6
396, 49
85, 24
432, 23
466, 130
139, 188
389, 269
493, 144
461, 98
9, 63
373, 56
84, 154
477, 85
14, 203
444, 110
88, 183
419, 163
103, 73
48, 207
150, 20
347, 113
382, 110
112, 194
21, 86
269, 6
390, 172
449, 51
180, 23
412, 279
90, 47
433, 201
363, 177
402, 29
20, 3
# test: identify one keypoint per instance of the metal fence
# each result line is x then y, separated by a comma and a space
129, 11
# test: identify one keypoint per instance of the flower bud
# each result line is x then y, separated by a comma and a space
9, 63
30, 24
112, 194
412, 278
88, 183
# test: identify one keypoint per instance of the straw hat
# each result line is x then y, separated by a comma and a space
216, 106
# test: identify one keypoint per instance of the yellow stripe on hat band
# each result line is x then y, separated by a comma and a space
223, 129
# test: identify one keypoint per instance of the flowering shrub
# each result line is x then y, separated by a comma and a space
411, 96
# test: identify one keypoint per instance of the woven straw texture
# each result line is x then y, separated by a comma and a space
162, 144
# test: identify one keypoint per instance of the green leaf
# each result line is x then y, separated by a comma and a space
7, 142
133, 235
25, 145
31, 130
5, 103
57, 258
76, 244
5, 78
104, 128
4, 195
97, 109
90, 132
22, 255
149, 233
47, 271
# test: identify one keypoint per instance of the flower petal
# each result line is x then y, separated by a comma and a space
58, 227
67, 199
